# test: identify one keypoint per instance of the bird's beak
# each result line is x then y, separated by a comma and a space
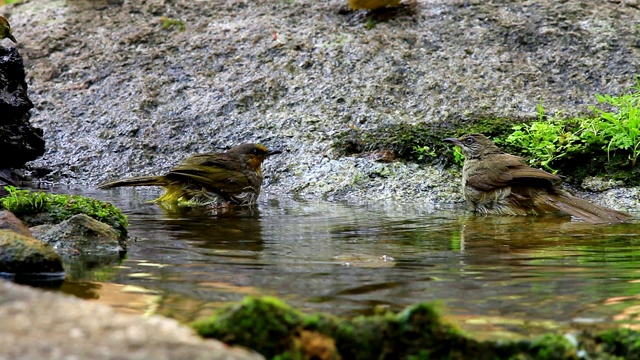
12, 38
273, 152
453, 141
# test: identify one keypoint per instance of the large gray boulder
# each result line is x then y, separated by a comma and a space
49, 325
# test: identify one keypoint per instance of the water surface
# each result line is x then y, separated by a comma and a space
495, 276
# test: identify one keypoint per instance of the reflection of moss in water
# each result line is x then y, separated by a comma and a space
280, 332
93, 268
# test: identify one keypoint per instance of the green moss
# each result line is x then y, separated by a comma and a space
280, 332
38, 207
264, 324
170, 24
623, 343
408, 141
550, 347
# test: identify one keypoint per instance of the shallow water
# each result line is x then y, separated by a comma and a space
494, 276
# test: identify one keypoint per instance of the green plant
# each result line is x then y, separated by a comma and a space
423, 152
35, 207
458, 156
546, 140
618, 130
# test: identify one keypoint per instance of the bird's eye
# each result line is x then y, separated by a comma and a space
469, 140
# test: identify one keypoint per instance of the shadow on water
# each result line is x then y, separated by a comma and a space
506, 276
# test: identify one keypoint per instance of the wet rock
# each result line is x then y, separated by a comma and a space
83, 235
20, 255
18, 138
9, 221
80, 329
293, 75
599, 184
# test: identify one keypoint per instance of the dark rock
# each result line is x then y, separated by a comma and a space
83, 235
17, 137
20, 254
9, 221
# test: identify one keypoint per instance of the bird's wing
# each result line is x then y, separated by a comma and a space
508, 170
520, 171
218, 172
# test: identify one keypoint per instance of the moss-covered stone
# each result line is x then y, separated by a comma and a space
419, 332
622, 343
20, 254
265, 324
403, 139
37, 207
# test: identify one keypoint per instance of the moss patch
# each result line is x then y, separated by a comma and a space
278, 331
407, 140
37, 207
403, 139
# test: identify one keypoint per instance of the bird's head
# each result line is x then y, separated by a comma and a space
474, 145
5, 29
254, 153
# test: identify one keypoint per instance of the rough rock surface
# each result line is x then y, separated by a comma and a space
78, 329
9, 221
20, 254
120, 90
83, 235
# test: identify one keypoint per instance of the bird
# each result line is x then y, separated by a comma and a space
233, 177
371, 4
5, 30
494, 182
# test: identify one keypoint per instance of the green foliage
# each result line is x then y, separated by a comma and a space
458, 156
619, 130
544, 142
423, 152
170, 24
36, 207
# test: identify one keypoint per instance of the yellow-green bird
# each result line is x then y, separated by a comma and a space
371, 4
5, 30
233, 177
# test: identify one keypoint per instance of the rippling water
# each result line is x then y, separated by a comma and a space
504, 276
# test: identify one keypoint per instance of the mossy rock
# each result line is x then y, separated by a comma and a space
278, 331
264, 324
403, 139
37, 207
20, 254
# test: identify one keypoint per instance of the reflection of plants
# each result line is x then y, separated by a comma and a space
621, 129
545, 141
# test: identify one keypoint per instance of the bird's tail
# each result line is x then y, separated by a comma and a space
135, 181
584, 210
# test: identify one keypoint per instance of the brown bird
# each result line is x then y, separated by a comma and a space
494, 182
233, 177
5, 29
